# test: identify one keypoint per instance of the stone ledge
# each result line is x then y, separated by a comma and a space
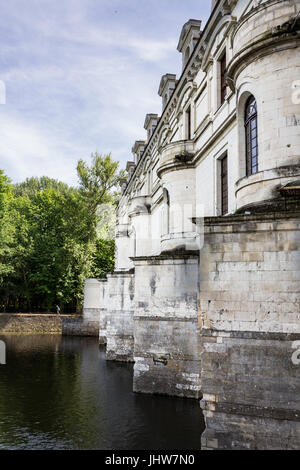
154, 318
266, 336
175, 254
251, 410
170, 357
238, 218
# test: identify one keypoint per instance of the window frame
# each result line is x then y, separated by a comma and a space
224, 187
223, 84
251, 136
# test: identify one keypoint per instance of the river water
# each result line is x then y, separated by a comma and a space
60, 393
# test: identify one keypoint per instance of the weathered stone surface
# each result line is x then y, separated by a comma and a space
250, 320
166, 344
119, 316
30, 324
79, 326
249, 274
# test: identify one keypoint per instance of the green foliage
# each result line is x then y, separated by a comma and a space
53, 237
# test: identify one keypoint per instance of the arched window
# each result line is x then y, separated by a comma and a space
251, 136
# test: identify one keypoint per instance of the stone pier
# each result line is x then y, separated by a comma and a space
119, 316
250, 312
166, 343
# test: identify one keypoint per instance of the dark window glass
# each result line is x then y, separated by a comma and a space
224, 186
251, 136
222, 75
188, 123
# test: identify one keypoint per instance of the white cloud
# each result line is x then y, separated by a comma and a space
80, 78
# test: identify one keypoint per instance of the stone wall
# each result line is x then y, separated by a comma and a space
166, 345
118, 310
250, 312
79, 326
74, 325
30, 324
251, 390
249, 273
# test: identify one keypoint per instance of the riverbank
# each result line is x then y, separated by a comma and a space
50, 324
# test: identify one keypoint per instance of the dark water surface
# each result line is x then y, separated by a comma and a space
60, 393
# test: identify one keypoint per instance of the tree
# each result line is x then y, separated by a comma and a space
96, 184
6, 227
52, 236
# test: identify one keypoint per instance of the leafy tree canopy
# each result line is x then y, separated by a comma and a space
53, 237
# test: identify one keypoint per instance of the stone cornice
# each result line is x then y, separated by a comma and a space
277, 39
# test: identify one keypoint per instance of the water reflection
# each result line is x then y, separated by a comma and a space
60, 393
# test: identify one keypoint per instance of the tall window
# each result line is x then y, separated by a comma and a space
188, 133
251, 136
166, 213
223, 85
224, 186
149, 182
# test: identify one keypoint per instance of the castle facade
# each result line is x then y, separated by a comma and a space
205, 297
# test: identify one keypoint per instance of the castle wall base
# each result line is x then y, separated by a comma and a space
250, 390
119, 317
250, 312
166, 343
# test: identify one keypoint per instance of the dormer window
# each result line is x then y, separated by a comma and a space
189, 37
138, 149
150, 124
166, 87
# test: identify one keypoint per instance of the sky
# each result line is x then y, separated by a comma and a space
80, 77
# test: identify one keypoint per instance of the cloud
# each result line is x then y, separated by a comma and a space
28, 150
80, 76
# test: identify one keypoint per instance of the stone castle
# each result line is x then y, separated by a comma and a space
205, 297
